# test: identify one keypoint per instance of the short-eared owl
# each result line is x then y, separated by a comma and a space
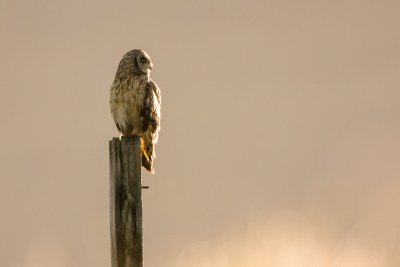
135, 102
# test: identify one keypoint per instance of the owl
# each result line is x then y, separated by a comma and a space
135, 102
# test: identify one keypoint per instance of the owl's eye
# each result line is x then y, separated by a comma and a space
143, 60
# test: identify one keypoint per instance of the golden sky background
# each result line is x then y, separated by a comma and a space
279, 143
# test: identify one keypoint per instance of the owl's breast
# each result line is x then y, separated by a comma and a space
126, 101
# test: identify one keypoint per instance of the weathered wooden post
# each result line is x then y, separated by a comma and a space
126, 202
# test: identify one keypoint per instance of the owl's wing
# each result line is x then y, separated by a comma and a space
150, 116
150, 112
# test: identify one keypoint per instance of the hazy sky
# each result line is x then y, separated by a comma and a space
280, 132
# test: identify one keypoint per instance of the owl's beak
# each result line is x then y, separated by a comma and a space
151, 66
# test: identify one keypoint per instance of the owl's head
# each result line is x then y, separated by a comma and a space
135, 62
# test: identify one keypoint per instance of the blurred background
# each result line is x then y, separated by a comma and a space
279, 143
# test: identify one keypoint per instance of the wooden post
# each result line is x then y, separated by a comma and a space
126, 202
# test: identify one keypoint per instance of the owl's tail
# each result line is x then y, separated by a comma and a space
148, 154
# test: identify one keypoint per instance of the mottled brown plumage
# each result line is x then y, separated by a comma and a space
135, 102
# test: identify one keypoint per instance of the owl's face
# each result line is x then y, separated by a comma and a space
135, 62
144, 62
